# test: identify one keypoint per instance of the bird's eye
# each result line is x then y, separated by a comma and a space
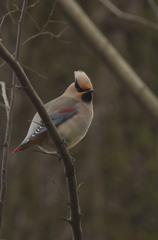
78, 87
79, 90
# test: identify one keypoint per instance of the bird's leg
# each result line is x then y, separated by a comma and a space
64, 143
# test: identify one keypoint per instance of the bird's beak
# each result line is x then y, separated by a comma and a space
90, 90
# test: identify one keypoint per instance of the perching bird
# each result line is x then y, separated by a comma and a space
71, 113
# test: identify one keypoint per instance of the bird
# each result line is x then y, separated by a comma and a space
71, 113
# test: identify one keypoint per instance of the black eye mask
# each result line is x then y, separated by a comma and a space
78, 88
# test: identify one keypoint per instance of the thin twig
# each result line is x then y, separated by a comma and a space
43, 29
66, 219
8, 9
32, 5
9, 13
34, 122
33, 21
128, 16
3, 105
9, 120
33, 71
49, 17
2, 64
44, 33
80, 185
63, 194
4, 95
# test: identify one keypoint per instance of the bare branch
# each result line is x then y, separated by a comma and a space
2, 64
33, 71
9, 120
44, 33
16, 7
34, 122
8, 13
80, 185
59, 34
5, 62
63, 194
33, 21
4, 95
66, 219
43, 29
30, 38
32, 5
68, 164
8, 9
49, 17
128, 16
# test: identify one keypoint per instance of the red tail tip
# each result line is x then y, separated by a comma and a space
16, 150
66, 110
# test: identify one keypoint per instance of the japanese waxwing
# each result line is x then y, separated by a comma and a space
71, 113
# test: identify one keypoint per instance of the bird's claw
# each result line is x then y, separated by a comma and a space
64, 143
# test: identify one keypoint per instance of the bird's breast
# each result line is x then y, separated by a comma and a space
73, 129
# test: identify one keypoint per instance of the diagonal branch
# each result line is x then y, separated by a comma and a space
8, 10
44, 33
75, 214
128, 16
43, 29
28, 68
33, 20
9, 13
62, 193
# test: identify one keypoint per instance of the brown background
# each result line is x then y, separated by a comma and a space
117, 160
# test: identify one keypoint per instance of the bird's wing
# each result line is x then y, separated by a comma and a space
59, 110
57, 118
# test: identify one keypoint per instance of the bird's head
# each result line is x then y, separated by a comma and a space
81, 89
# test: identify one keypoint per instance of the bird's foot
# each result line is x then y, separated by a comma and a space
64, 143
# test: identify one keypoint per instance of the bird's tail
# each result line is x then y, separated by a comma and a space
28, 143
22, 146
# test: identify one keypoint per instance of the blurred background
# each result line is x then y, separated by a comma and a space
118, 158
